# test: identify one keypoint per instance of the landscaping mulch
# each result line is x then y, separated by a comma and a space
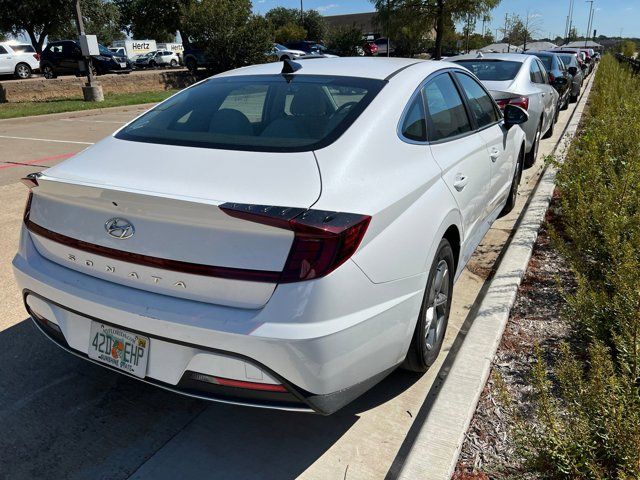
490, 449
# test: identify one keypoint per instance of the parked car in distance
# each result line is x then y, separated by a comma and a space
383, 45
583, 58
249, 240
18, 59
195, 58
559, 76
64, 58
517, 79
370, 49
310, 47
577, 75
283, 52
158, 58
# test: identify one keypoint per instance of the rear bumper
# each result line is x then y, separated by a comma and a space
325, 346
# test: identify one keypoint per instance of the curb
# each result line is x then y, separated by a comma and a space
437, 444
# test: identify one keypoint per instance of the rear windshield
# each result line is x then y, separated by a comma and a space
23, 48
567, 59
497, 70
546, 61
257, 113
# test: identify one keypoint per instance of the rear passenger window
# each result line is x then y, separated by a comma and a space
414, 126
2, 50
480, 103
446, 115
536, 73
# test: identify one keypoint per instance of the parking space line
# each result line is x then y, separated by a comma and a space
46, 140
37, 161
93, 121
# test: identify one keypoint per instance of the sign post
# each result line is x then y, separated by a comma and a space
92, 92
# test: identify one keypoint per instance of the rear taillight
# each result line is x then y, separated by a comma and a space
551, 78
36, 56
30, 181
322, 240
522, 102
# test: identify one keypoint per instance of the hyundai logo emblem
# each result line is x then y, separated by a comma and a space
119, 228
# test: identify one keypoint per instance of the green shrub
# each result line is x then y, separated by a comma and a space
345, 40
587, 406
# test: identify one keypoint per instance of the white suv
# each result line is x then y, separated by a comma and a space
18, 59
158, 58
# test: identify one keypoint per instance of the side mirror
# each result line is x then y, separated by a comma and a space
514, 115
561, 81
573, 70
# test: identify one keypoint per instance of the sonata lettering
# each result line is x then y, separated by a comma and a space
134, 275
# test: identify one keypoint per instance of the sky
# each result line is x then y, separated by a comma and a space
610, 15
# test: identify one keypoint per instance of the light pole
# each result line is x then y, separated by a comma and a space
91, 92
301, 13
586, 38
87, 60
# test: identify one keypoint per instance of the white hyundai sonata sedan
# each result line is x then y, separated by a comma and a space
280, 235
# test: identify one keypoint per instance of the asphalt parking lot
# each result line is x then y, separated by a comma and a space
66, 418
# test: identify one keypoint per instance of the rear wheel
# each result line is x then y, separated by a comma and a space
47, 72
173, 63
513, 193
565, 105
191, 64
434, 314
23, 71
530, 158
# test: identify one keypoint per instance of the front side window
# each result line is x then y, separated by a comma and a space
257, 113
446, 114
480, 103
414, 126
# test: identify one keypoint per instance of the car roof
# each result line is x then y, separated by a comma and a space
539, 53
514, 57
365, 67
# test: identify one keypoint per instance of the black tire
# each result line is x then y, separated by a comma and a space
573, 98
565, 105
530, 158
428, 336
513, 192
22, 71
48, 72
152, 64
191, 65
173, 63
551, 128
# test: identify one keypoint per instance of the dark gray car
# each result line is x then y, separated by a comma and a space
571, 62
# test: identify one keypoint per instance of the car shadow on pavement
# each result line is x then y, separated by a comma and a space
63, 417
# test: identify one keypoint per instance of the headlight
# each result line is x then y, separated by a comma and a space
103, 58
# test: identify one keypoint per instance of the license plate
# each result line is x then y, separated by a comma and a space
123, 65
121, 349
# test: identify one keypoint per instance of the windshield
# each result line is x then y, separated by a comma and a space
257, 113
279, 47
497, 70
567, 59
104, 50
546, 61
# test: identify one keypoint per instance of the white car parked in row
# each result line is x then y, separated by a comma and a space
18, 59
159, 58
281, 235
283, 52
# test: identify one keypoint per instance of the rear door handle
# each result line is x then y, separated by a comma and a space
460, 182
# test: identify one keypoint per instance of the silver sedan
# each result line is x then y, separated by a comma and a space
520, 80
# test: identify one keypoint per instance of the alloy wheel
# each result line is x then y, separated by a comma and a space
23, 71
437, 305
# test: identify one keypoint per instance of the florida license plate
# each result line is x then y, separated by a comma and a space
119, 348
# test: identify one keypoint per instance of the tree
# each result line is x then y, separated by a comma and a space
439, 13
151, 19
290, 32
628, 48
407, 23
229, 33
36, 18
100, 17
345, 40
313, 23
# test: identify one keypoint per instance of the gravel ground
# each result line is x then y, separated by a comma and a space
490, 450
